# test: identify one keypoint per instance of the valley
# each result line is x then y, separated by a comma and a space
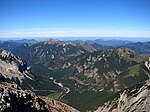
76, 73
66, 89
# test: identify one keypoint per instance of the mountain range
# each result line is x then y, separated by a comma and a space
98, 44
99, 78
139, 47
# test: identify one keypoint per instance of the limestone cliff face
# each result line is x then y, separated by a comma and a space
14, 69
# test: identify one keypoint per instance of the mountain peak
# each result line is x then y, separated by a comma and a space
123, 50
53, 41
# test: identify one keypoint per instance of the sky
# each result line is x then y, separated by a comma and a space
74, 18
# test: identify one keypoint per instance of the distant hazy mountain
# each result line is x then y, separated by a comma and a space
12, 44
139, 47
106, 42
24, 41
8, 45
110, 42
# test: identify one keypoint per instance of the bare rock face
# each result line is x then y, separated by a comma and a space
147, 64
13, 68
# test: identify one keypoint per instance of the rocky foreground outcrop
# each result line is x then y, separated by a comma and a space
14, 99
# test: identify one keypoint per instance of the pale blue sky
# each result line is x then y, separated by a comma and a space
74, 18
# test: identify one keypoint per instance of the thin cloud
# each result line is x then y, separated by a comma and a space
64, 32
